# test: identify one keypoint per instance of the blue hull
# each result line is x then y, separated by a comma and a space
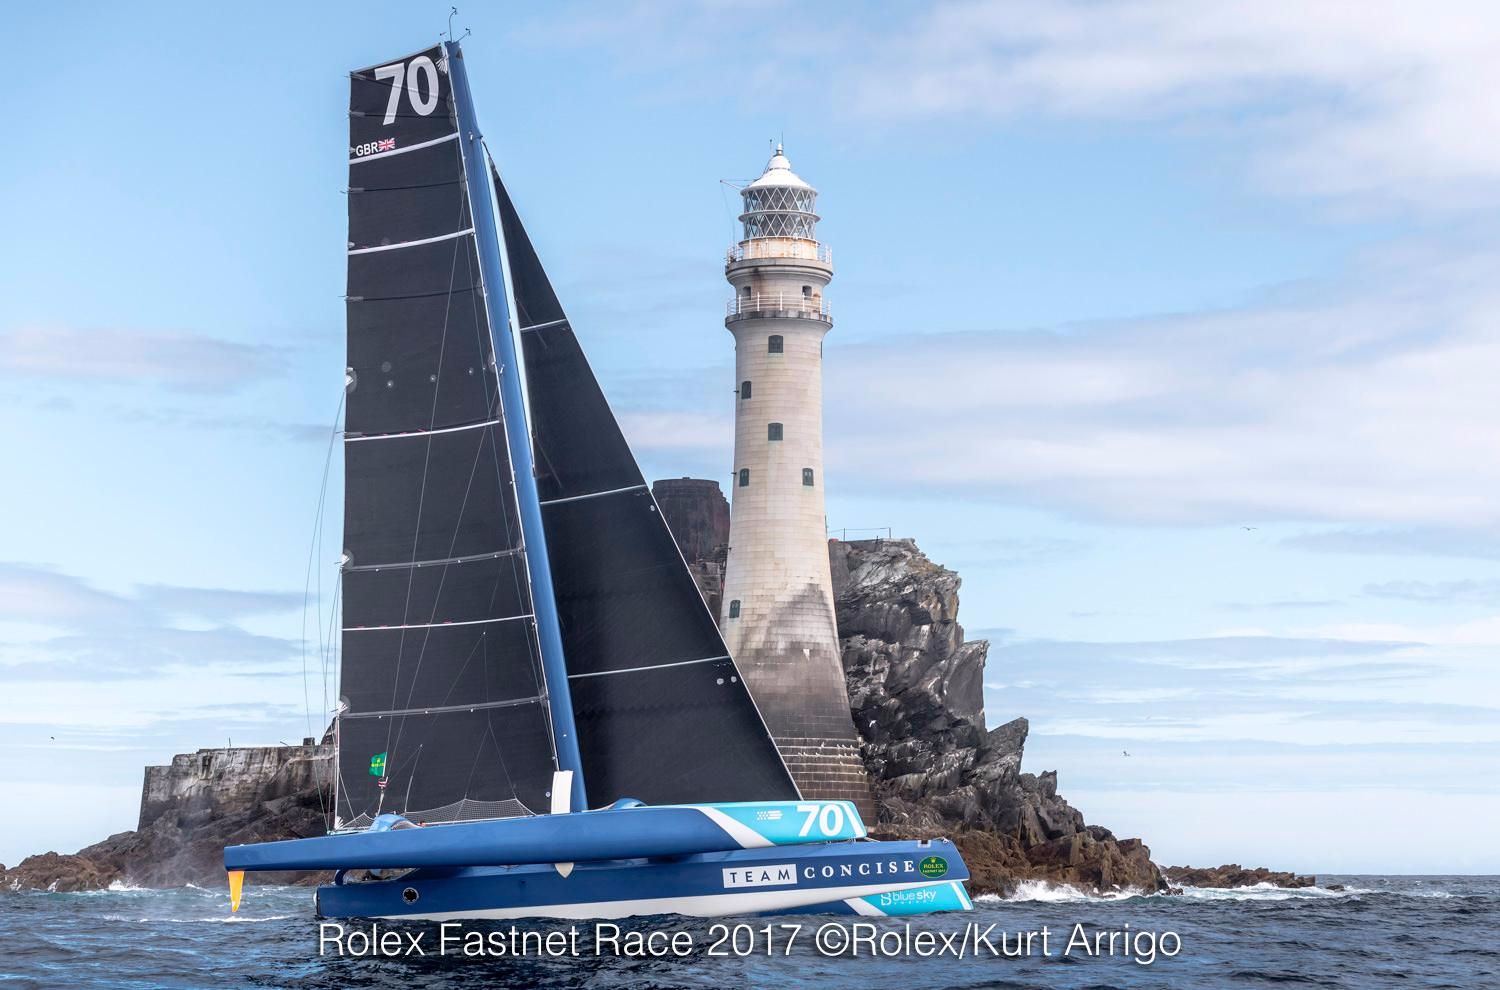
634, 830
872, 878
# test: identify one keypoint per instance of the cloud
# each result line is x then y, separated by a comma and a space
1010, 551
37, 595
1172, 659
218, 604
182, 362
1413, 541
1468, 592
1379, 97
1383, 100
1290, 603
1321, 407
91, 634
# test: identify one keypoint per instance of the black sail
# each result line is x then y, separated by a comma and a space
663, 714
440, 669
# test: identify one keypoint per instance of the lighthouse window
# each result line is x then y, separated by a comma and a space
745, 478
734, 609
773, 431
744, 390
773, 346
807, 477
807, 292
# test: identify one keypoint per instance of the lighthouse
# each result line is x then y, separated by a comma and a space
777, 606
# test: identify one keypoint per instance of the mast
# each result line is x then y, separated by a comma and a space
517, 430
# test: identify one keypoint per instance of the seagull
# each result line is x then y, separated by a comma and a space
1125, 751
1249, 529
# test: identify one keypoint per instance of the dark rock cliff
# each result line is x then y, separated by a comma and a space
916, 689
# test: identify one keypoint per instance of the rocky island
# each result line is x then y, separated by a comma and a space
916, 692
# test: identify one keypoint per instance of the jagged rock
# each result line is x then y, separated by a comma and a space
1234, 875
916, 689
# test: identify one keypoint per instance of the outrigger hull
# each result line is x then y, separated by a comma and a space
867, 878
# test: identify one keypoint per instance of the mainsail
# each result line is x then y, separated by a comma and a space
440, 670
662, 712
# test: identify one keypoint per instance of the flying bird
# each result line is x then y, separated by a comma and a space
1125, 751
1249, 529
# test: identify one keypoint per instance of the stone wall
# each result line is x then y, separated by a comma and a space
241, 777
698, 516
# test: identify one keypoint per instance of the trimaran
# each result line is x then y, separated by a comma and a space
520, 631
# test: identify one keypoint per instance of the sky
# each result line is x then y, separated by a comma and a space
1171, 327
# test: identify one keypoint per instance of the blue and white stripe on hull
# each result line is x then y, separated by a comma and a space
889, 877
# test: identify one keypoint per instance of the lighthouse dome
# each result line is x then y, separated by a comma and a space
779, 174
780, 203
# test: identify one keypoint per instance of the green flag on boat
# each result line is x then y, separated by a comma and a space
377, 765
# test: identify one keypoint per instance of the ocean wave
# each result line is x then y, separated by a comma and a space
226, 918
1268, 892
1057, 893
115, 887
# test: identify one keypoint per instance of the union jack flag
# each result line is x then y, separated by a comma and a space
388, 144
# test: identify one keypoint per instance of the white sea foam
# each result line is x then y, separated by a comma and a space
1267, 892
1057, 893
115, 887
1042, 891
226, 918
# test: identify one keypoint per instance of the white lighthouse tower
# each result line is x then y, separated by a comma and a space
778, 616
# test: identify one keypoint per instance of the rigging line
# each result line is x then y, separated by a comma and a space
411, 778
416, 537
464, 206
443, 579
520, 570
314, 553
520, 577
331, 641
473, 650
489, 731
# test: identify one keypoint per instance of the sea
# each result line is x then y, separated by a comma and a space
1379, 931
